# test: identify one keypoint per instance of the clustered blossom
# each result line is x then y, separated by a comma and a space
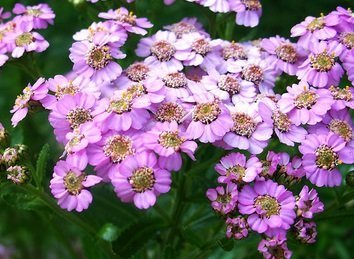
133, 125
19, 34
247, 12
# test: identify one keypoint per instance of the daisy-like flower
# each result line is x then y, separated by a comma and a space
236, 228
236, 168
229, 86
196, 49
287, 132
306, 232
346, 42
69, 184
305, 104
256, 71
348, 64
210, 120
270, 165
127, 20
78, 140
60, 86
140, 180
308, 203
338, 122
185, 26
123, 111
268, 205
70, 112
170, 111
248, 12
137, 72
22, 39
284, 55
274, 248
95, 60
321, 68
223, 198
38, 15
314, 29
113, 148
343, 97
160, 51
168, 141
249, 131
345, 18
321, 156
29, 98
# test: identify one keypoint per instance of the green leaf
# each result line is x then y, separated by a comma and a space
109, 232
226, 244
41, 165
133, 238
191, 237
16, 197
169, 252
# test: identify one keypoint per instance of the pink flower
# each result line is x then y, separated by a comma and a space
39, 15
223, 199
268, 205
248, 12
30, 96
308, 203
140, 180
68, 186
168, 141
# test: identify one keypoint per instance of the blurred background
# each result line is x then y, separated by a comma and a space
31, 230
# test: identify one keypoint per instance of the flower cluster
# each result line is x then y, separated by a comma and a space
247, 12
133, 125
12, 160
18, 35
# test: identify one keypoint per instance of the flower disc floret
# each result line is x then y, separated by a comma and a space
306, 99
142, 179
244, 125
326, 158
253, 73
206, 112
78, 116
118, 147
322, 62
163, 50
287, 53
99, 57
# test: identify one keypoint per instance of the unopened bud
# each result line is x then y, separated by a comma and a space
349, 179
10, 156
4, 137
18, 174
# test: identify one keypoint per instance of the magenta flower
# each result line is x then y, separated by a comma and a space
210, 120
160, 51
249, 131
235, 168
248, 12
196, 49
343, 97
321, 155
223, 199
140, 180
229, 86
170, 111
306, 232
287, 132
338, 122
269, 205
123, 111
314, 29
127, 20
274, 248
94, 60
345, 18
39, 15
185, 26
29, 97
68, 186
4, 15
321, 68
308, 203
70, 112
78, 140
236, 228
305, 104
284, 55
22, 39
111, 150
168, 141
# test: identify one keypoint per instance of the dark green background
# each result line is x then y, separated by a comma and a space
39, 233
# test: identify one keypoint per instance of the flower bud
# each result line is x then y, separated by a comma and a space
18, 174
10, 156
4, 137
349, 179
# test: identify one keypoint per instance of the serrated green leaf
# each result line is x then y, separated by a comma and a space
133, 238
109, 232
41, 165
